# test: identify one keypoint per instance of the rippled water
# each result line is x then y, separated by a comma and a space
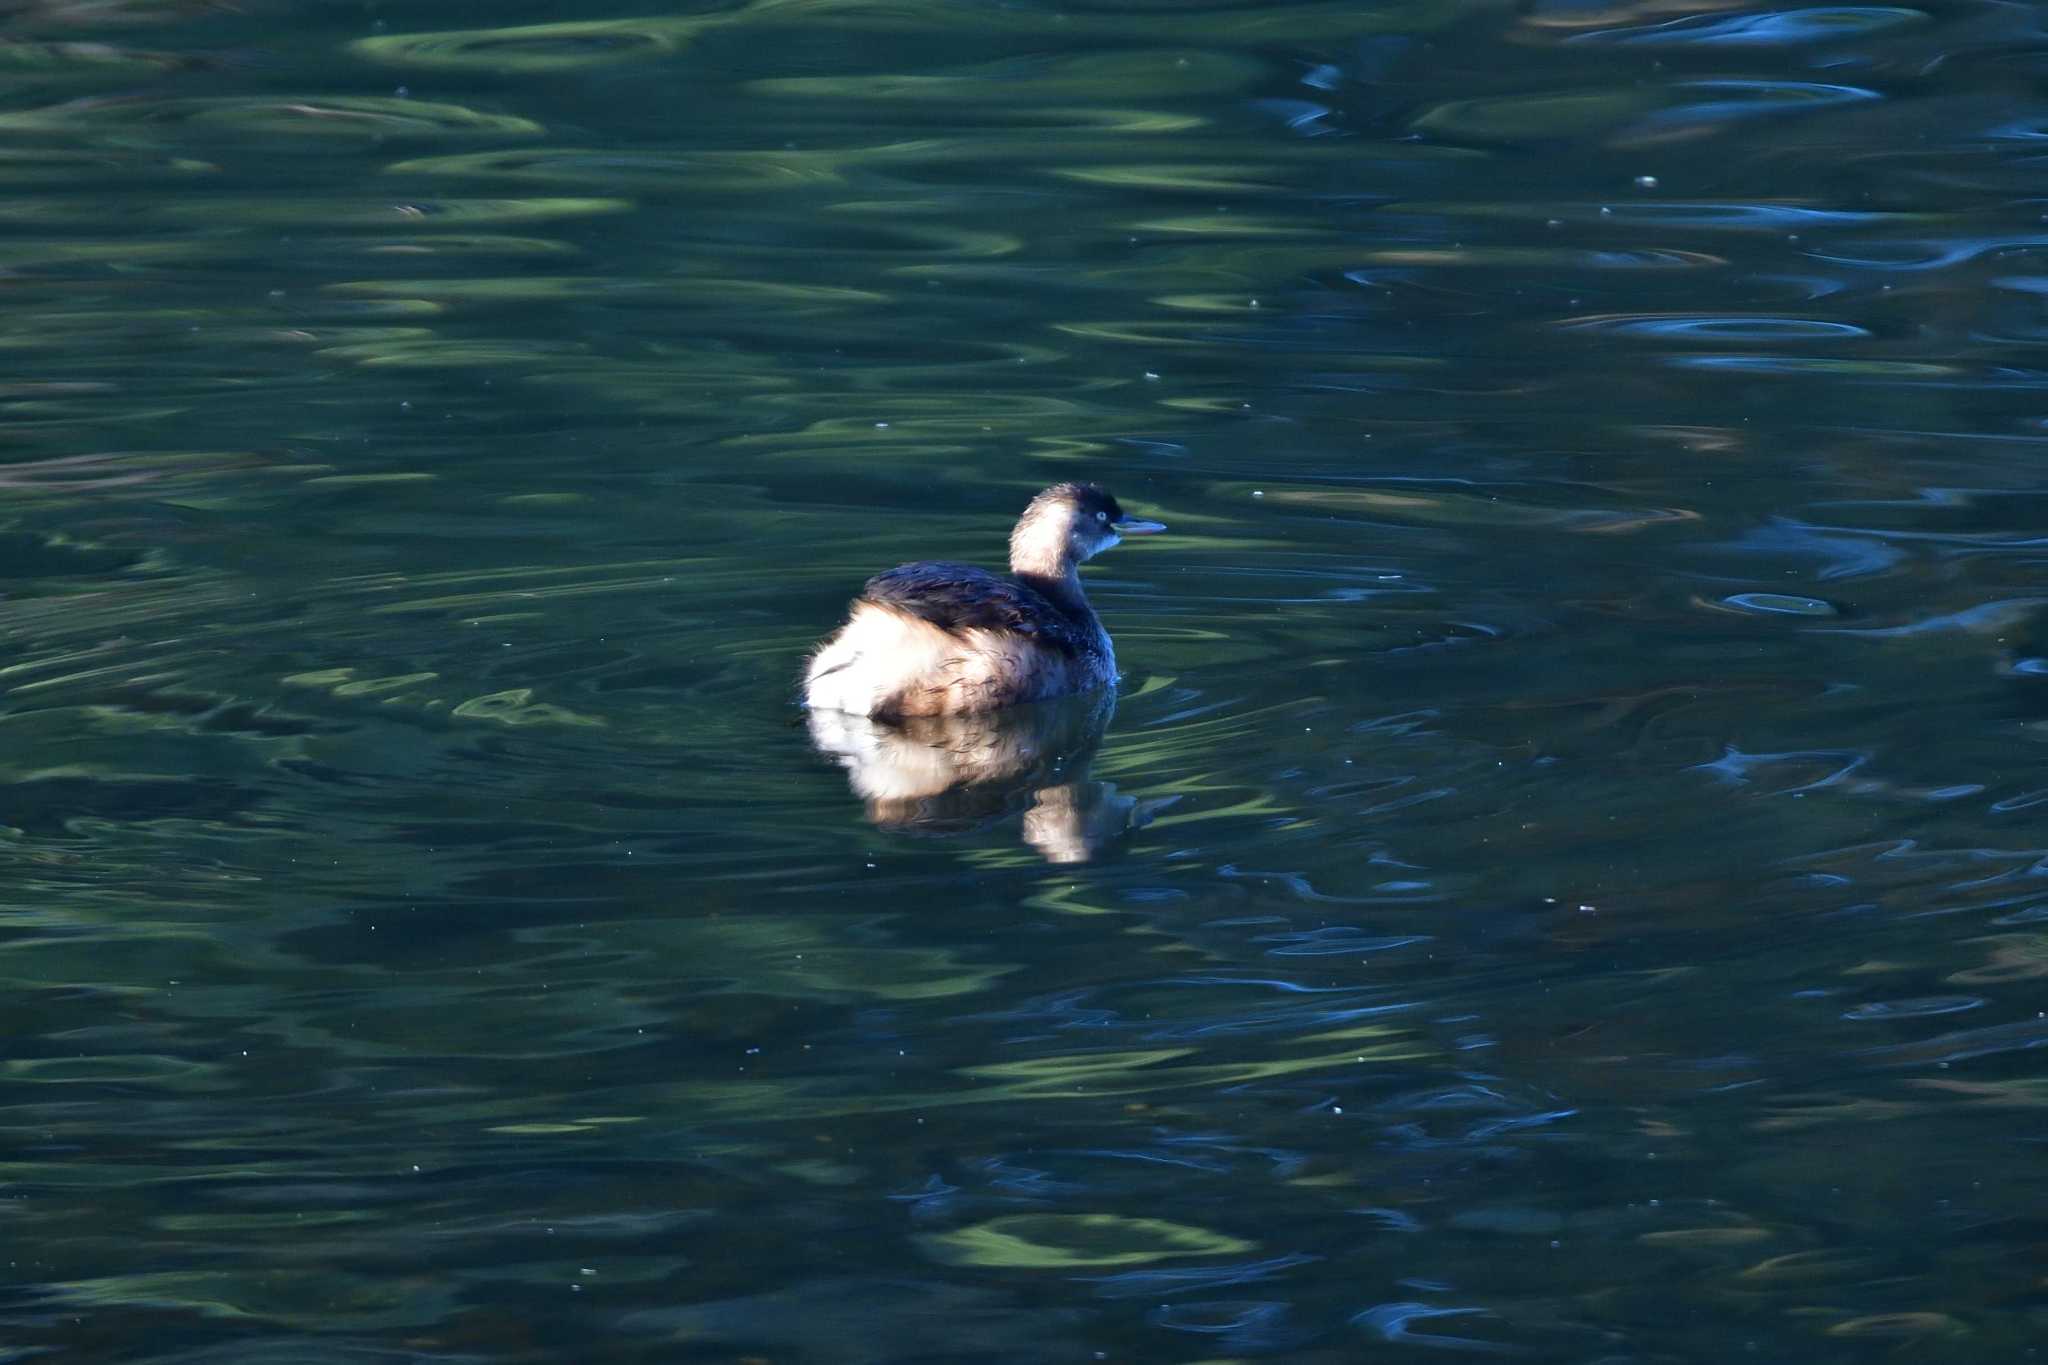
1564, 876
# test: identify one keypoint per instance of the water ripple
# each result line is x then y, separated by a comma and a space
1717, 329
1239, 1325
1634, 115
1781, 604
1145, 1284
1915, 1009
1390, 1322
1921, 254
1335, 941
534, 47
1772, 28
317, 117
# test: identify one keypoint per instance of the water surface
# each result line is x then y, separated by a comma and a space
1563, 877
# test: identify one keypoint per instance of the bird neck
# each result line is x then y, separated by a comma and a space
1042, 558
1062, 587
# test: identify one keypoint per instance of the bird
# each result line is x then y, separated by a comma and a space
941, 639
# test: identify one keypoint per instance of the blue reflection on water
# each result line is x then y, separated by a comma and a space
1721, 328
1149, 1283
1775, 28
1391, 1322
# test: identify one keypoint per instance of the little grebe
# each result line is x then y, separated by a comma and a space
951, 639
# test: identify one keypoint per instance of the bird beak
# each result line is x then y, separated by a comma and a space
1129, 527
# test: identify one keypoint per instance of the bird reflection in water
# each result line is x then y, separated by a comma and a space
955, 774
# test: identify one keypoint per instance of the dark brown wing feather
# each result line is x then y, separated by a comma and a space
960, 597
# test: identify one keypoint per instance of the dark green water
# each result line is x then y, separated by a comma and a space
1565, 876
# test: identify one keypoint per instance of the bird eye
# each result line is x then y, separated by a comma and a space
1102, 516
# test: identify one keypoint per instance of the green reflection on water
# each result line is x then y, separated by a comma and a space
534, 47
580, 43
1076, 1240
313, 117
1073, 1078
306, 1298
